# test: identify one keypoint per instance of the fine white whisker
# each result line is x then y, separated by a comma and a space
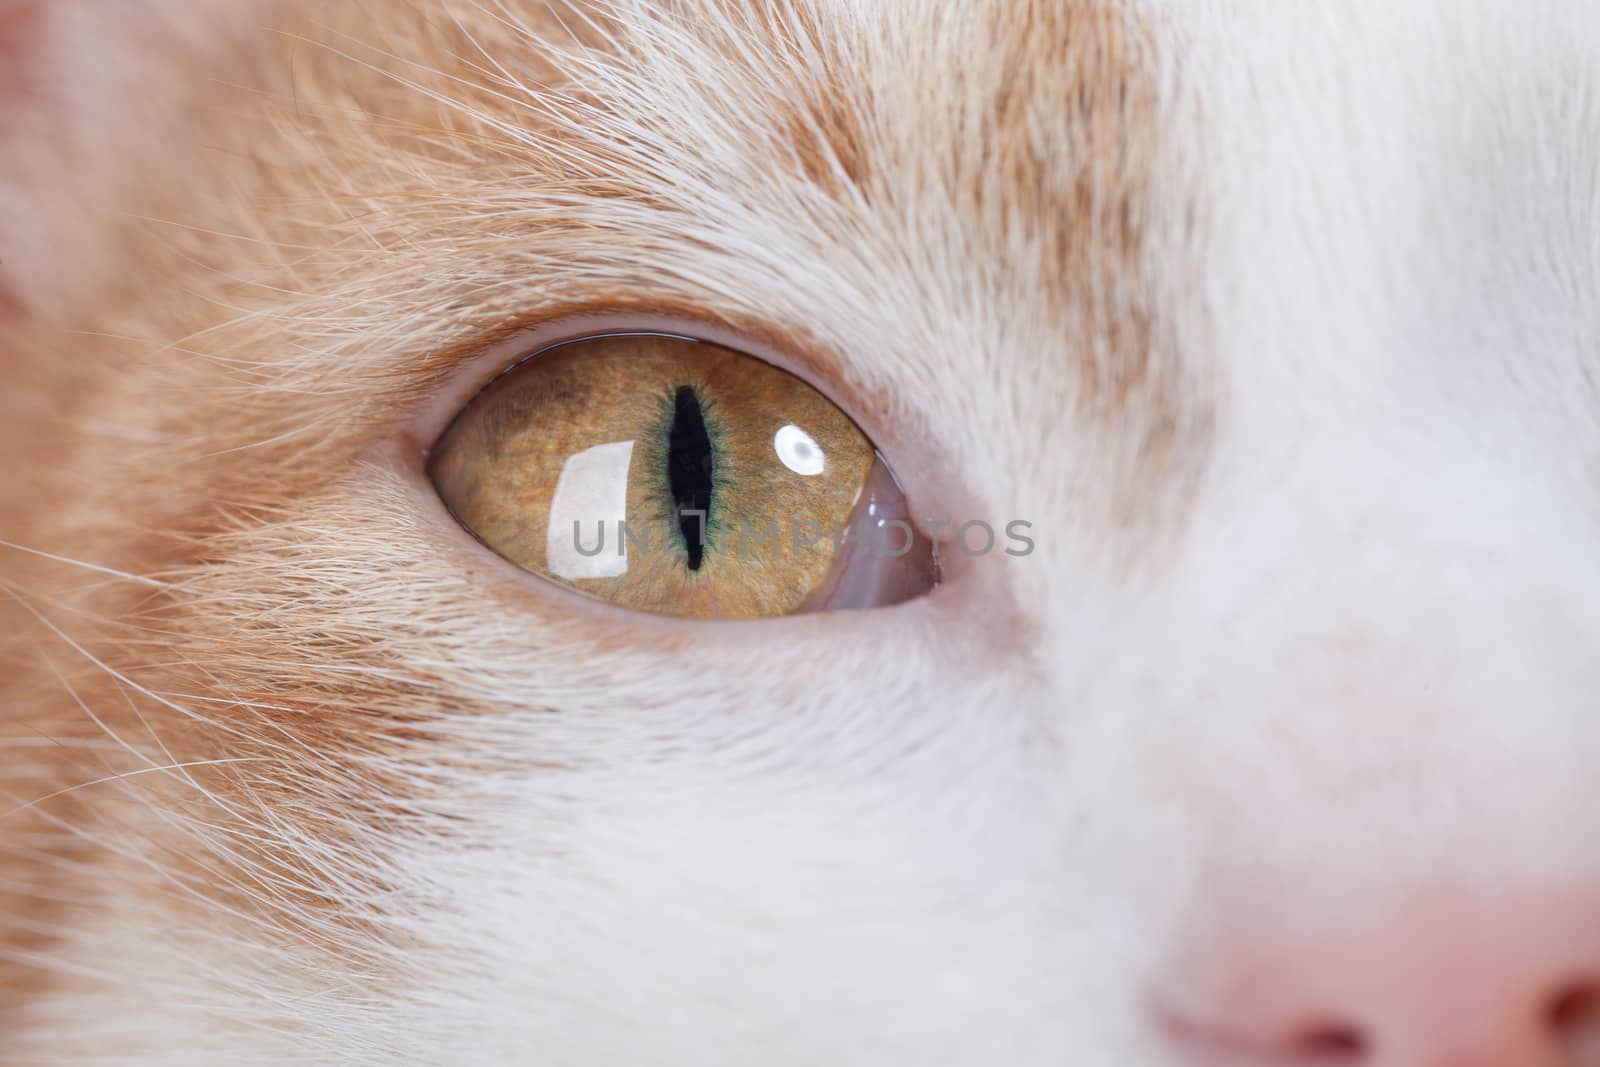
86, 565
125, 775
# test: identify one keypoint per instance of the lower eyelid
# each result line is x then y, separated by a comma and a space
586, 622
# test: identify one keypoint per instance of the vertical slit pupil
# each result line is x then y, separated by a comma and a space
689, 471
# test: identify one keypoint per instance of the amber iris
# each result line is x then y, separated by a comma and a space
670, 476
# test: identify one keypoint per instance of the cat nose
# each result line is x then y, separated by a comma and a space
1418, 990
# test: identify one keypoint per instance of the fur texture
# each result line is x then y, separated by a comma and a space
1277, 320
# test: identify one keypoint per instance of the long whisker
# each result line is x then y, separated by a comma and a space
98, 568
124, 775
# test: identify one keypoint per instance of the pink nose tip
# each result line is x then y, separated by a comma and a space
1430, 991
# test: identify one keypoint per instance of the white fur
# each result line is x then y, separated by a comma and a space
1358, 660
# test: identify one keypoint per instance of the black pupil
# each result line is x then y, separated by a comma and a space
689, 469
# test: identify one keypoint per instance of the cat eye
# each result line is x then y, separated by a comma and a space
681, 478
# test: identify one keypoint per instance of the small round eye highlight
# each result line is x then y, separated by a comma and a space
799, 452
680, 478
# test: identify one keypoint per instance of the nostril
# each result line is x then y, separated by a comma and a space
1332, 1044
1576, 1007
1316, 1044
1574, 1016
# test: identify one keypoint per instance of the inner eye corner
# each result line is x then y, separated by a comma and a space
743, 492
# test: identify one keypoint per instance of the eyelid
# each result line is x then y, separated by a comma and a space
916, 460
473, 374
588, 621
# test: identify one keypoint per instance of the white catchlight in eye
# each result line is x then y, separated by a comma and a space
799, 452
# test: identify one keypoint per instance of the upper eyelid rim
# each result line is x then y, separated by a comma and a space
545, 349
461, 380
